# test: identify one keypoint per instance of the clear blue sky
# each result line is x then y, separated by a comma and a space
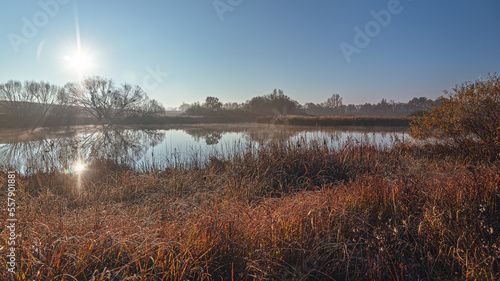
249, 47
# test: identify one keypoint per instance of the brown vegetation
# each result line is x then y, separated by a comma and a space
338, 120
284, 211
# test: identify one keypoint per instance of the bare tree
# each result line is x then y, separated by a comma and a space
151, 108
30, 102
47, 97
94, 95
109, 104
334, 102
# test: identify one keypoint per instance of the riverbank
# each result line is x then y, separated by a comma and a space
341, 121
7, 121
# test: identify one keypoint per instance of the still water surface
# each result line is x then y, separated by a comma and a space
190, 145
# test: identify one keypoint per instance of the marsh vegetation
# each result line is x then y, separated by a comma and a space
287, 209
284, 211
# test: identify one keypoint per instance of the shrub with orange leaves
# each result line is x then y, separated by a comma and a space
467, 118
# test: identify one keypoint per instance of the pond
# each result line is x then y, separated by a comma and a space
144, 149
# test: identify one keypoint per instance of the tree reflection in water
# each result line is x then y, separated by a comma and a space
261, 135
211, 136
122, 146
131, 147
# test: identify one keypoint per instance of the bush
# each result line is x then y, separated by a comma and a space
467, 119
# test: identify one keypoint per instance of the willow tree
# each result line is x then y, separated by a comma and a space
467, 118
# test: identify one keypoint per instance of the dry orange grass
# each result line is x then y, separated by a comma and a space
287, 211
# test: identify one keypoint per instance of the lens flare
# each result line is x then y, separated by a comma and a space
79, 167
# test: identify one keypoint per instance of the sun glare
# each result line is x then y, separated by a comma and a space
79, 62
79, 167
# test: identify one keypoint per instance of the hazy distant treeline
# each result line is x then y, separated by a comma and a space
98, 100
278, 104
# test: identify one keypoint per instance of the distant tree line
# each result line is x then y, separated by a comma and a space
98, 100
274, 104
278, 104
334, 106
94, 100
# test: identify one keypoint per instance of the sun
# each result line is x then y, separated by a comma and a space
79, 62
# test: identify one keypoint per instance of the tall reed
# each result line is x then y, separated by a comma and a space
285, 210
